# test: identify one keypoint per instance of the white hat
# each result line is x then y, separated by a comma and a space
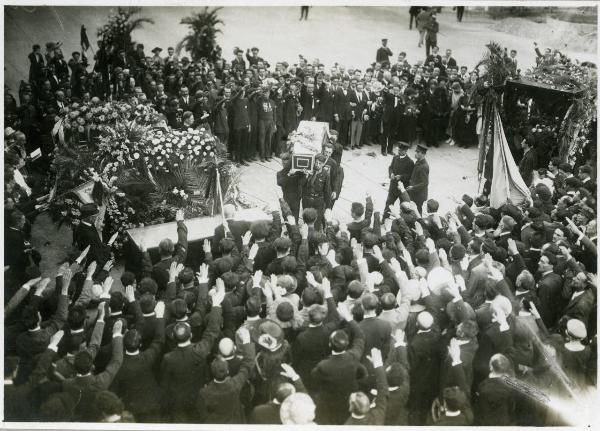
425, 320
576, 329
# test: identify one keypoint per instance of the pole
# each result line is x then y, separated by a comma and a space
218, 188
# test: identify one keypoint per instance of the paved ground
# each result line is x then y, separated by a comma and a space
349, 35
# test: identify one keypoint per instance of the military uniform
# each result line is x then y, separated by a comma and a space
316, 193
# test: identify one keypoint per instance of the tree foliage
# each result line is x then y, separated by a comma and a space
201, 41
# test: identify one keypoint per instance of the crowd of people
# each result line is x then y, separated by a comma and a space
406, 317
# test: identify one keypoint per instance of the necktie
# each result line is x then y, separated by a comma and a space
395, 102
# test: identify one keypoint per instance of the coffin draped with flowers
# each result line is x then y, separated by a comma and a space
142, 172
306, 142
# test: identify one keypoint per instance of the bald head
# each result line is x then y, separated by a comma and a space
228, 210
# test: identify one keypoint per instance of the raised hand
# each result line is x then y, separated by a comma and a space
377, 253
202, 274
174, 270
106, 285
55, 339
326, 285
66, 281
512, 247
395, 265
113, 238
243, 335
454, 350
328, 215
253, 251
257, 278
398, 335
291, 220
357, 251
130, 293
159, 309
442, 254
82, 255
101, 311
118, 327
387, 225
246, 238
331, 258
418, 229
41, 286
91, 269
344, 312
179, 215
218, 293
289, 372
33, 282
310, 279
304, 231
375, 358
206, 247
108, 265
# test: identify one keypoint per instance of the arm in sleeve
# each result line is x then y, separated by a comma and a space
14, 302
211, 332
182, 241
86, 293
247, 363
358, 340
105, 378
378, 413
146, 265
96, 339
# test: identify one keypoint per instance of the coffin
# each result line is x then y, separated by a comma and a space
307, 141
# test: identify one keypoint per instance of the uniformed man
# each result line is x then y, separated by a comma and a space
316, 190
419, 179
400, 169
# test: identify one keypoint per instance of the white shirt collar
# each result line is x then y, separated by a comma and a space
576, 294
452, 414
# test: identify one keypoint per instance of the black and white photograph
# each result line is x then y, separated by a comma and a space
344, 213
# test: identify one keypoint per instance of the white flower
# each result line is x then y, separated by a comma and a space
182, 157
161, 163
175, 190
163, 152
182, 193
212, 153
136, 155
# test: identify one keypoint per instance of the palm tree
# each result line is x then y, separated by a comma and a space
117, 31
201, 41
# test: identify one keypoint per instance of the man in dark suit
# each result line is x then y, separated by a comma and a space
529, 161
581, 303
239, 125
185, 101
326, 106
219, 401
290, 185
549, 290
400, 170
342, 115
16, 249
36, 66
393, 108
585, 175
358, 102
419, 180
310, 103
170, 252
338, 376
87, 235
361, 218
496, 399
60, 66
383, 53
184, 370
135, 383
424, 355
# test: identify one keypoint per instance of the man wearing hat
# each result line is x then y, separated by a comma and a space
87, 234
316, 190
401, 170
383, 53
36, 66
254, 58
419, 179
585, 175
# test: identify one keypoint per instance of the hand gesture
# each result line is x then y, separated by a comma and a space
30, 283
202, 274
418, 229
118, 327
257, 278
454, 350
443, 256
142, 245
291, 220
108, 265
91, 269
253, 251
357, 251
310, 279
246, 238
430, 245
328, 215
534, 311
41, 286
129, 293
159, 309
217, 293
106, 285
398, 335
344, 312
101, 311
113, 238
460, 282
326, 285
179, 215
174, 270
512, 247
243, 335
375, 358
82, 255
331, 258
387, 225
66, 281
206, 247
377, 253
289, 372
304, 231
393, 211
55, 339
565, 252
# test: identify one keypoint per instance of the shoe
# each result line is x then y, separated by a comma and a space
244, 163
383, 153
451, 143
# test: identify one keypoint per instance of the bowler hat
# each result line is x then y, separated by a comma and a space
422, 148
403, 144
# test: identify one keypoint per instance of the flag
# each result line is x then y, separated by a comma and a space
507, 182
85, 42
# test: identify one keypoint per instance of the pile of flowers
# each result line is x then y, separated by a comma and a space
168, 150
566, 77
